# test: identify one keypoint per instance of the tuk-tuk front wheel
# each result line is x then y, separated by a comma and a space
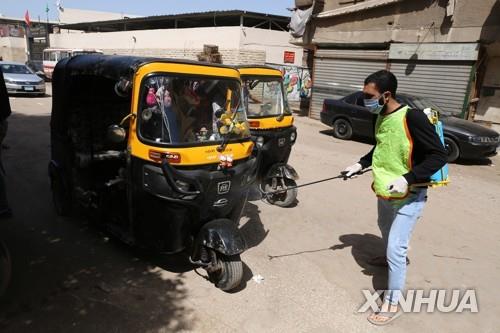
284, 198
228, 273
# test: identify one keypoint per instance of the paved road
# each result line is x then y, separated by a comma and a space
70, 277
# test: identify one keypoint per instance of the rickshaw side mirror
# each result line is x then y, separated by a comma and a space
116, 134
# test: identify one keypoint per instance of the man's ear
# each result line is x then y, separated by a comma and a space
387, 95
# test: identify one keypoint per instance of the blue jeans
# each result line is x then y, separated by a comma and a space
396, 220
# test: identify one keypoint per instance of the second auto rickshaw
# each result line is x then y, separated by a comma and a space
271, 125
159, 151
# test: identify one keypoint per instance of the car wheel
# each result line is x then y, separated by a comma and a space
342, 129
452, 149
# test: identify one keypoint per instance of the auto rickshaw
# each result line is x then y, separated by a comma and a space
271, 125
158, 151
5, 267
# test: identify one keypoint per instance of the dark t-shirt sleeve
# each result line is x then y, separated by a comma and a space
428, 151
366, 160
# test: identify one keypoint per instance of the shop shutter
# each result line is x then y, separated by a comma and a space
338, 73
444, 83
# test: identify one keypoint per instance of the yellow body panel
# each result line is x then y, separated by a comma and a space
198, 155
192, 155
270, 123
259, 71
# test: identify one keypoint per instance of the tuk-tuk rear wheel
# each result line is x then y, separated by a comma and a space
284, 199
229, 274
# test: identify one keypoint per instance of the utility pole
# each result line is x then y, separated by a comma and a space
47, 42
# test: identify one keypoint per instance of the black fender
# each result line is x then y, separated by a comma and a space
222, 236
281, 170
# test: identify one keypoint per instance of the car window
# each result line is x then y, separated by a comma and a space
16, 69
355, 99
351, 99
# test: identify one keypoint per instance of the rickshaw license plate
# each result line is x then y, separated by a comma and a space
281, 142
224, 187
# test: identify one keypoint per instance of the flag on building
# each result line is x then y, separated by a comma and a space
59, 6
27, 18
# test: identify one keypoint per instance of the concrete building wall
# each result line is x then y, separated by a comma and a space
237, 45
192, 38
229, 56
274, 43
488, 108
405, 21
13, 49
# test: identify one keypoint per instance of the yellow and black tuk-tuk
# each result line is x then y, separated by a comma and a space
271, 125
5, 267
158, 151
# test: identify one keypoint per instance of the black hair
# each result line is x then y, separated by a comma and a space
384, 81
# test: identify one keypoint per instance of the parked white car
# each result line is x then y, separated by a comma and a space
20, 79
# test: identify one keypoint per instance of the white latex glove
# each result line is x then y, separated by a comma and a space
398, 185
352, 170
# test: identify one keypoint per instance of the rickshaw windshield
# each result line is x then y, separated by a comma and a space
264, 97
184, 110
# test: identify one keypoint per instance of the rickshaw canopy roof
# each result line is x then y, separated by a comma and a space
114, 67
258, 70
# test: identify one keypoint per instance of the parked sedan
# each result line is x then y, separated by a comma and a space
20, 79
463, 139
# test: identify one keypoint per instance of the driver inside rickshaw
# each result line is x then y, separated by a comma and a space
264, 97
181, 110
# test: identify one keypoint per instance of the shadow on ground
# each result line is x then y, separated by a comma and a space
479, 161
253, 230
363, 248
67, 276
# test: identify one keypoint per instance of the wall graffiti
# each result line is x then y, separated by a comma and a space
297, 82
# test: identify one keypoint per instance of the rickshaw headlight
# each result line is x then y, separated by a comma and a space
260, 141
293, 136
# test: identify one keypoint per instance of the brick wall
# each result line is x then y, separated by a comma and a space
229, 56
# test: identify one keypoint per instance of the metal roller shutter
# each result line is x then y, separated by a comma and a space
337, 73
444, 83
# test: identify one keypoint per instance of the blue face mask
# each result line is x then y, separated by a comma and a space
374, 105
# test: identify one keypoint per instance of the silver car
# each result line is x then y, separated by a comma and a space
20, 79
